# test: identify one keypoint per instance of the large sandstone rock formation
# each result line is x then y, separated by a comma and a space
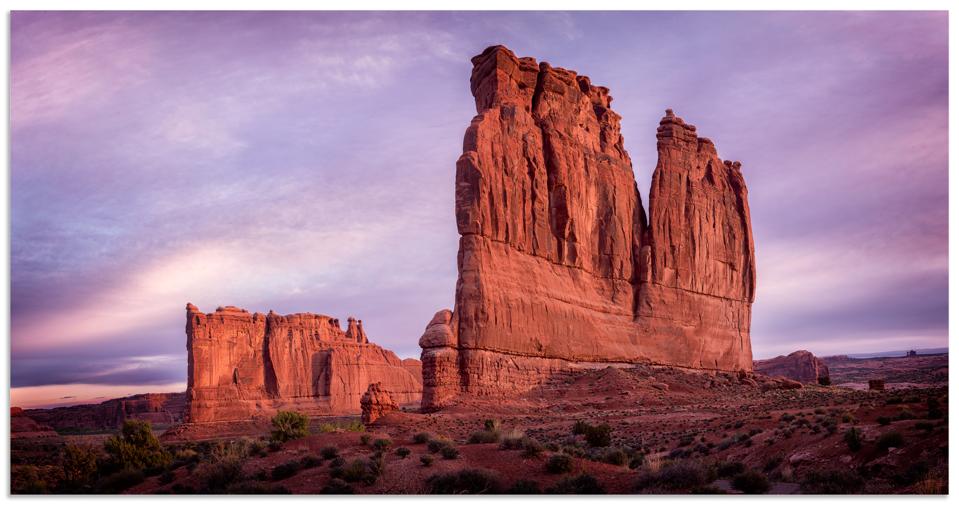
558, 264
244, 365
801, 366
376, 403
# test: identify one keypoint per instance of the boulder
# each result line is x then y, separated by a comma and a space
801, 366
559, 266
376, 403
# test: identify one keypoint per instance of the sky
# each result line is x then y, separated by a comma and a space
304, 162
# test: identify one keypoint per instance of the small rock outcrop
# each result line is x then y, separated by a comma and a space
244, 365
800, 366
376, 403
559, 265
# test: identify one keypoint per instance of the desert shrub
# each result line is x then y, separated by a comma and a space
581, 484
437, 444
636, 459
559, 463
688, 439
726, 443
426, 460
890, 439
337, 462
580, 427
531, 448
136, 447
883, 420
730, 468
853, 438
120, 481
905, 414
615, 456
524, 486
787, 417
772, 463
512, 440
285, 470
491, 425
327, 428
354, 425
911, 474
469, 481
365, 439
256, 487
682, 476
217, 475
289, 425
751, 483
310, 461
359, 470
329, 452
274, 445
484, 437
824, 381
831, 482
421, 438
381, 444
337, 486
403, 452
79, 466
935, 409
25, 479
599, 436
258, 448
450, 452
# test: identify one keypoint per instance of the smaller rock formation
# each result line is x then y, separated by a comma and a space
376, 403
24, 427
800, 366
159, 409
877, 385
911, 354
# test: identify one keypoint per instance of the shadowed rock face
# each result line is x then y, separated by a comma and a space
558, 264
244, 365
802, 366
157, 408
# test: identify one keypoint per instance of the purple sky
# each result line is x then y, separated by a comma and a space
305, 162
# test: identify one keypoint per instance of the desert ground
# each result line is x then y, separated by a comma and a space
670, 430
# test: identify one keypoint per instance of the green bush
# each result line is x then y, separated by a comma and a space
285, 470
337, 486
136, 447
559, 463
491, 425
615, 456
730, 469
421, 438
890, 439
751, 483
469, 481
524, 486
513, 440
580, 427
217, 475
25, 479
484, 437
437, 444
403, 452
359, 470
853, 438
582, 484
599, 436
381, 444
79, 466
310, 461
682, 476
289, 425
450, 452
832, 482
531, 448
120, 481
365, 439
329, 452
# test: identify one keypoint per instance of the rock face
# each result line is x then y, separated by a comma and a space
376, 403
244, 365
801, 366
157, 408
23, 426
559, 265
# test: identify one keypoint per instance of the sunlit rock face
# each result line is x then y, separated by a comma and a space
559, 265
244, 365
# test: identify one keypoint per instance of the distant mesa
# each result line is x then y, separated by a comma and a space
559, 265
244, 366
800, 366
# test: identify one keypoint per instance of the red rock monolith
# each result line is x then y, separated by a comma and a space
244, 365
801, 366
559, 266
376, 403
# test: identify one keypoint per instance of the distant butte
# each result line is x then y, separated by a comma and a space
559, 265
